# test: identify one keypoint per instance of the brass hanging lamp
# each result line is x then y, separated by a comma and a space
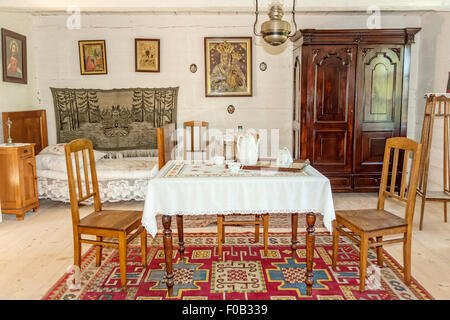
275, 31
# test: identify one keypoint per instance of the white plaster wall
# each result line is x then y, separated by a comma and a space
182, 37
182, 40
14, 96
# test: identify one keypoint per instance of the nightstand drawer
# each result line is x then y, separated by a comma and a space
25, 151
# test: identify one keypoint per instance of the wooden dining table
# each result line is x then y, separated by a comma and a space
188, 187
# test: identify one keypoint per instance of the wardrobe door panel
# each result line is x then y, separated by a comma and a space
327, 111
378, 103
330, 147
372, 146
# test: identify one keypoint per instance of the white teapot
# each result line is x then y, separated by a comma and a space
284, 158
247, 149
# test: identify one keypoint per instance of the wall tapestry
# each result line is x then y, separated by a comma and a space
228, 66
92, 57
115, 119
14, 57
146, 55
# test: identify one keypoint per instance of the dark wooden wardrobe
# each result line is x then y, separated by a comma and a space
350, 95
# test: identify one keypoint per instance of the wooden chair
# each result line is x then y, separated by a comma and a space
260, 220
376, 223
191, 125
118, 224
167, 143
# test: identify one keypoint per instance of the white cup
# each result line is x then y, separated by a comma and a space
234, 167
219, 160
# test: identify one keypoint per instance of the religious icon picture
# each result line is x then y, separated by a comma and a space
14, 57
228, 66
147, 55
92, 57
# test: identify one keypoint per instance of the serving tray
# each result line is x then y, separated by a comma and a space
271, 165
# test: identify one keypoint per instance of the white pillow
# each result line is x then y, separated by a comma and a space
57, 162
54, 149
58, 149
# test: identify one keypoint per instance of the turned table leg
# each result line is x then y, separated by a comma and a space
310, 243
180, 235
220, 234
295, 242
167, 236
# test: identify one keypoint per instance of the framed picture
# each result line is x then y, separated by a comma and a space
92, 57
146, 55
14, 57
228, 67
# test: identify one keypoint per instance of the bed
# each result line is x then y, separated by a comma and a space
120, 178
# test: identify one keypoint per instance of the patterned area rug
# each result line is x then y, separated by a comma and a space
244, 274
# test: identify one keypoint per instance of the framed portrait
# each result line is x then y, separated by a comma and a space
14, 57
92, 57
228, 66
147, 55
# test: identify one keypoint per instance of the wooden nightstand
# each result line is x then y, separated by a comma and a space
18, 180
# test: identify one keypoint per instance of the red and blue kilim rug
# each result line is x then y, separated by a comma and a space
245, 274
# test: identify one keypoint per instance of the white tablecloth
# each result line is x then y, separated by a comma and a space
189, 188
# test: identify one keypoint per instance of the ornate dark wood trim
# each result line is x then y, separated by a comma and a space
397, 51
357, 36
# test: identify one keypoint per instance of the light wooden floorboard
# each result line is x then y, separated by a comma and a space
36, 252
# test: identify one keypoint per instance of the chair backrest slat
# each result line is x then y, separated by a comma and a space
192, 141
77, 167
86, 173
75, 189
407, 192
394, 171
202, 126
404, 169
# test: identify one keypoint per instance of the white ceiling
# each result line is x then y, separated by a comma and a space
219, 5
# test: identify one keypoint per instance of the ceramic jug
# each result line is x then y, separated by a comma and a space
284, 158
247, 149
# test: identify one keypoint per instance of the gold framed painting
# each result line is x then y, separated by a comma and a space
228, 66
14, 57
147, 55
92, 57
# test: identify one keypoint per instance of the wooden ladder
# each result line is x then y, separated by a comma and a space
435, 107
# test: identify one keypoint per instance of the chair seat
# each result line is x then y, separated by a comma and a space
370, 219
120, 220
